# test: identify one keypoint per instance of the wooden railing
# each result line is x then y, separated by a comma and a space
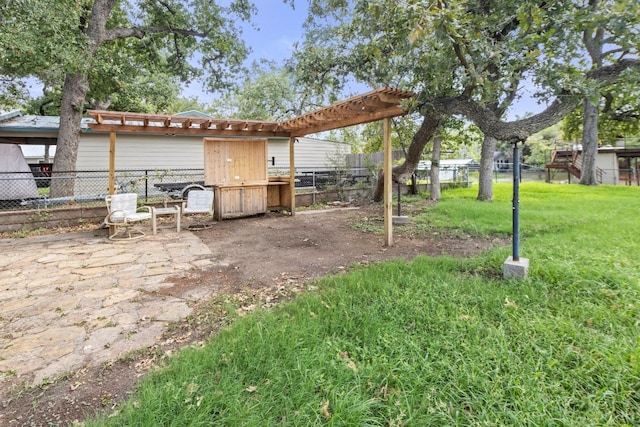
571, 161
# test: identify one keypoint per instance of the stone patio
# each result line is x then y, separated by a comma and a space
70, 300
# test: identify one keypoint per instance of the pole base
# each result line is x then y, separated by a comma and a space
515, 269
400, 219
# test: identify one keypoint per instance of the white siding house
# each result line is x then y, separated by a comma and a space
158, 152
607, 161
310, 153
139, 151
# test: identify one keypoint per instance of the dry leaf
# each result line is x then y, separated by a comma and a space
325, 410
511, 304
251, 389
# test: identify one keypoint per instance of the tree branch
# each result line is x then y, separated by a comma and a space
167, 6
511, 132
140, 33
608, 74
519, 130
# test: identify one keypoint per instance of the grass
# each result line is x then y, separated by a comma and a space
438, 341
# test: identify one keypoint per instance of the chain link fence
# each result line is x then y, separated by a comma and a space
25, 190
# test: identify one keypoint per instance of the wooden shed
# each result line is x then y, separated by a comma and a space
237, 171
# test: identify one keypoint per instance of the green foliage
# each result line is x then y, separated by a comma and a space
184, 104
435, 49
350, 135
619, 114
459, 138
35, 41
48, 40
402, 130
538, 147
437, 341
269, 92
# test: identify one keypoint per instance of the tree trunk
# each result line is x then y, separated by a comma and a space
434, 171
74, 92
588, 175
413, 189
430, 123
485, 184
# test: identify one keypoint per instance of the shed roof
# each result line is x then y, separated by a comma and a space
33, 130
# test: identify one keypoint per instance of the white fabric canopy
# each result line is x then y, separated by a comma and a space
16, 180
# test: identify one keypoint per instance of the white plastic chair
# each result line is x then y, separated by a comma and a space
123, 213
198, 202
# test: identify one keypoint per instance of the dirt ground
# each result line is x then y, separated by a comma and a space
266, 260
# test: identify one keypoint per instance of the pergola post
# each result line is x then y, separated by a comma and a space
292, 175
112, 163
112, 171
388, 188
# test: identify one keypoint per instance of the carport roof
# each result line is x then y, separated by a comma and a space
368, 107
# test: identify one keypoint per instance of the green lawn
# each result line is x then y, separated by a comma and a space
438, 341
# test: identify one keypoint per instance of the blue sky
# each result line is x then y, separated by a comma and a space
274, 30
279, 26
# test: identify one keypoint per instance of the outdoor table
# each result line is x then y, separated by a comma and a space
172, 210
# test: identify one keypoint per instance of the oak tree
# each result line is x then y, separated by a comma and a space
85, 43
462, 58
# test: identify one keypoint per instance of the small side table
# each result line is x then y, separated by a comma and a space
172, 210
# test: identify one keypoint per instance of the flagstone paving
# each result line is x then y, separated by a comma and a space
70, 300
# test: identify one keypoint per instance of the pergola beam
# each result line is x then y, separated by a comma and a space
349, 120
161, 130
375, 105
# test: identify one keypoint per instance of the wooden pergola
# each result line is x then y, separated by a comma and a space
380, 104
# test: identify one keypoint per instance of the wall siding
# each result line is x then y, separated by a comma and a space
314, 154
184, 152
141, 152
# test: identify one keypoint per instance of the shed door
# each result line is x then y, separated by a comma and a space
235, 161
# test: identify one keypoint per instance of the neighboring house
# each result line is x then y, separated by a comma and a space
141, 151
502, 161
614, 165
158, 152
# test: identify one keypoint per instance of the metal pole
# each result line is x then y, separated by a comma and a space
313, 183
516, 203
